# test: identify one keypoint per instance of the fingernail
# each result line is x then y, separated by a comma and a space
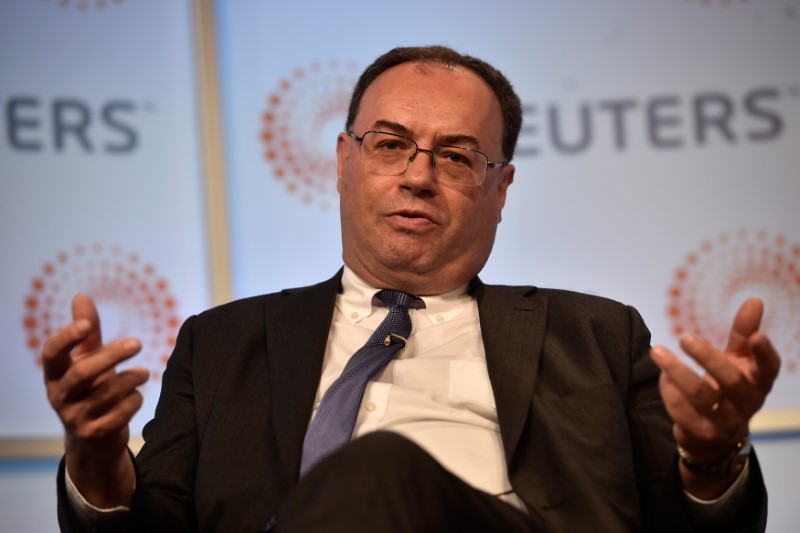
690, 342
131, 344
82, 326
657, 355
689, 337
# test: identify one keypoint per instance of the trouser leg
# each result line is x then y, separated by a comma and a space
383, 482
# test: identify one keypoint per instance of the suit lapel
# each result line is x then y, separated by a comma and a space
512, 326
297, 327
298, 324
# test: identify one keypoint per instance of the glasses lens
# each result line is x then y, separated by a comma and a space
459, 165
387, 154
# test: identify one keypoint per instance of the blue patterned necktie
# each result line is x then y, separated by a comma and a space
333, 424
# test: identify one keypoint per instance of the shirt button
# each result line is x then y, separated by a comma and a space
354, 315
439, 318
370, 406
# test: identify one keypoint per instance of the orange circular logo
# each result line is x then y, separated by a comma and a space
299, 127
131, 298
715, 279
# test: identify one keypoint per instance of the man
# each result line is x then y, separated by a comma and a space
507, 408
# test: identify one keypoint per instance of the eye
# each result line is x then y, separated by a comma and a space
455, 156
386, 144
391, 144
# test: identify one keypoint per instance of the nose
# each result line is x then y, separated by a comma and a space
420, 175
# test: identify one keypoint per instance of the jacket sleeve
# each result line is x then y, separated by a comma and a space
664, 504
165, 468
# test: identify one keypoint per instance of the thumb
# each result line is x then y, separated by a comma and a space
84, 308
747, 322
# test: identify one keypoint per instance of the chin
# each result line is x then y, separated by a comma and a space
408, 262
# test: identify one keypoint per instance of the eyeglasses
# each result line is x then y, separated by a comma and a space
389, 154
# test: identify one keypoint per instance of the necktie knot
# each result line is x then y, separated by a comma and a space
392, 298
396, 327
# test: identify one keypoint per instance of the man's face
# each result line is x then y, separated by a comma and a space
410, 232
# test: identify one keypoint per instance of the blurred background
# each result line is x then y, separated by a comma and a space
165, 157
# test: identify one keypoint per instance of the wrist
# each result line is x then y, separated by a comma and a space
103, 479
732, 462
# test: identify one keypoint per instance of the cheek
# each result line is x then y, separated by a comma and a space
357, 201
481, 220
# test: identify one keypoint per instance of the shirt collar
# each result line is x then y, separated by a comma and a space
355, 301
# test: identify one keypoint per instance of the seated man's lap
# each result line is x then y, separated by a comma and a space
385, 482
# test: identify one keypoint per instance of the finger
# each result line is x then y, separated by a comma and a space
716, 363
112, 421
767, 361
114, 390
102, 399
735, 383
700, 392
706, 430
84, 373
747, 322
84, 308
56, 358
675, 401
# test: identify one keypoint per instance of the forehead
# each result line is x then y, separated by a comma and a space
432, 100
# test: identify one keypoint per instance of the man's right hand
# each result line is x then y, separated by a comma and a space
95, 403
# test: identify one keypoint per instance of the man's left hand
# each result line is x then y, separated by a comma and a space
711, 413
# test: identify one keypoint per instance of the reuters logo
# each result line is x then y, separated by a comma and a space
131, 298
715, 279
299, 127
84, 5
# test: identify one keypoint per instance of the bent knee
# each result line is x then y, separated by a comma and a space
380, 455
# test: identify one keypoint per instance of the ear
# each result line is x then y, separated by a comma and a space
342, 155
506, 179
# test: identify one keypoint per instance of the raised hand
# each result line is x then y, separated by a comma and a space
711, 413
95, 403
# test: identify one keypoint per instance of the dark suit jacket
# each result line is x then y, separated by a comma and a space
587, 441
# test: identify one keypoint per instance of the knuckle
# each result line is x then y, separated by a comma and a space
707, 433
737, 381
54, 396
137, 399
81, 372
56, 402
71, 419
47, 352
91, 431
84, 432
695, 390
50, 349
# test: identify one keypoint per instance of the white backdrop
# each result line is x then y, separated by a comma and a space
658, 163
100, 185
658, 166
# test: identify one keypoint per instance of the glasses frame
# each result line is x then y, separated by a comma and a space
430, 152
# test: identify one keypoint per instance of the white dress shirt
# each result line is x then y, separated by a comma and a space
436, 392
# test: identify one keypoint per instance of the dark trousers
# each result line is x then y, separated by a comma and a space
383, 482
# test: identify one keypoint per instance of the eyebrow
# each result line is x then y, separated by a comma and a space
457, 139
